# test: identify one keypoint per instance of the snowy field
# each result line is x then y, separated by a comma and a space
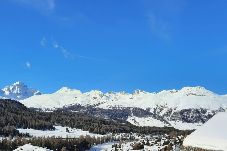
145, 121
29, 147
59, 132
212, 135
149, 121
184, 126
103, 147
125, 147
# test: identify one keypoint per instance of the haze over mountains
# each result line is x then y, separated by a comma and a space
186, 108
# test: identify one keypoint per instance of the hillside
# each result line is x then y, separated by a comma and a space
15, 115
186, 98
186, 108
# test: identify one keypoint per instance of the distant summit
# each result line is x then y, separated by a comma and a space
185, 98
18, 91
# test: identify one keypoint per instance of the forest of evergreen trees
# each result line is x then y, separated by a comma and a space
57, 144
15, 115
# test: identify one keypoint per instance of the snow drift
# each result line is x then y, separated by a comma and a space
29, 147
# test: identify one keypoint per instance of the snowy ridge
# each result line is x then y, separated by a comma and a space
63, 132
212, 135
186, 98
187, 108
63, 97
18, 91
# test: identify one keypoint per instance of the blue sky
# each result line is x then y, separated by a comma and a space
114, 45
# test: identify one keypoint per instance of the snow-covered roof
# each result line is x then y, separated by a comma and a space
212, 135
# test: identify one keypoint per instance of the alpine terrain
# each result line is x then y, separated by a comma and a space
186, 108
18, 91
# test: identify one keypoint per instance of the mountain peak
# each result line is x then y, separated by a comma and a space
19, 83
95, 92
197, 90
194, 88
67, 90
18, 91
139, 92
64, 89
187, 97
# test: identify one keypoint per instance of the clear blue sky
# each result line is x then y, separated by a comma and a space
114, 45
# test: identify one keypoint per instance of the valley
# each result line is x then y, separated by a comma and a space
119, 120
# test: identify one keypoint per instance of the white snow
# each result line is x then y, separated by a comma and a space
184, 126
29, 147
58, 132
147, 121
125, 146
212, 135
103, 147
187, 97
63, 97
150, 121
18, 91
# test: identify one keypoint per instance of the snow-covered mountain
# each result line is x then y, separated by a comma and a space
186, 108
186, 98
18, 91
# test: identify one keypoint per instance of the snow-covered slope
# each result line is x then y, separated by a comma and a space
18, 91
212, 135
150, 121
63, 97
187, 108
186, 98
146, 121
63, 132
29, 147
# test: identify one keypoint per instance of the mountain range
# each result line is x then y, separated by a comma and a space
186, 108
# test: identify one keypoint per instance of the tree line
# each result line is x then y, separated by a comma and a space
15, 115
54, 143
